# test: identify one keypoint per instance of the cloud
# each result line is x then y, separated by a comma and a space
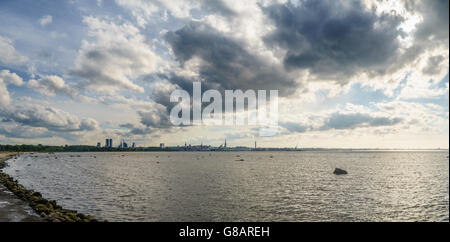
433, 66
340, 121
6, 77
357, 120
8, 54
52, 119
51, 85
117, 55
218, 6
156, 117
19, 131
35, 117
137, 129
161, 91
435, 24
295, 127
45, 20
222, 61
145, 10
334, 40
388, 58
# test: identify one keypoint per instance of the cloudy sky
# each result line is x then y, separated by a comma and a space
349, 73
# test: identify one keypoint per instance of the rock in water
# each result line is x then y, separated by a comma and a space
338, 171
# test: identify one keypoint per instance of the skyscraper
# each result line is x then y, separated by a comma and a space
107, 143
110, 143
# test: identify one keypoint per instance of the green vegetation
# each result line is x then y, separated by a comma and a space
47, 148
76, 148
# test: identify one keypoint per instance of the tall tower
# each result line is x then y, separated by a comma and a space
107, 143
255, 145
225, 145
110, 143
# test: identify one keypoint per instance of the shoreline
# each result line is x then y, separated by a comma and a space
48, 210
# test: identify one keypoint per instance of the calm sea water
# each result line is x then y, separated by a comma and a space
265, 186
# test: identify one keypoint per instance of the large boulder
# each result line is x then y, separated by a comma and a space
338, 171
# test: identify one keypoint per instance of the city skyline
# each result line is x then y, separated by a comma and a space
350, 74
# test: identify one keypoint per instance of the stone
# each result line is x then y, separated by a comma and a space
338, 171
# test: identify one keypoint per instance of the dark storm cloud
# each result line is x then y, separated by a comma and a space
226, 65
161, 92
333, 38
225, 62
435, 14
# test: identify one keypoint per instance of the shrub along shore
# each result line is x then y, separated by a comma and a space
49, 210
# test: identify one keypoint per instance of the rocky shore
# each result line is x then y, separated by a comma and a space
48, 210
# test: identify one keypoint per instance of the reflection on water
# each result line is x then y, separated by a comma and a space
244, 186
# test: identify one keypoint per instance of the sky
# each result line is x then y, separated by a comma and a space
350, 74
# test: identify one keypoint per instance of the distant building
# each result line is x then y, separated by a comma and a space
99, 145
123, 144
108, 143
133, 145
161, 146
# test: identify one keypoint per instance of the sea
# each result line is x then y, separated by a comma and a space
243, 186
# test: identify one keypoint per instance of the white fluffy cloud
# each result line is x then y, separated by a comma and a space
6, 77
8, 53
51, 85
114, 58
145, 11
45, 20
23, 115
52, 119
